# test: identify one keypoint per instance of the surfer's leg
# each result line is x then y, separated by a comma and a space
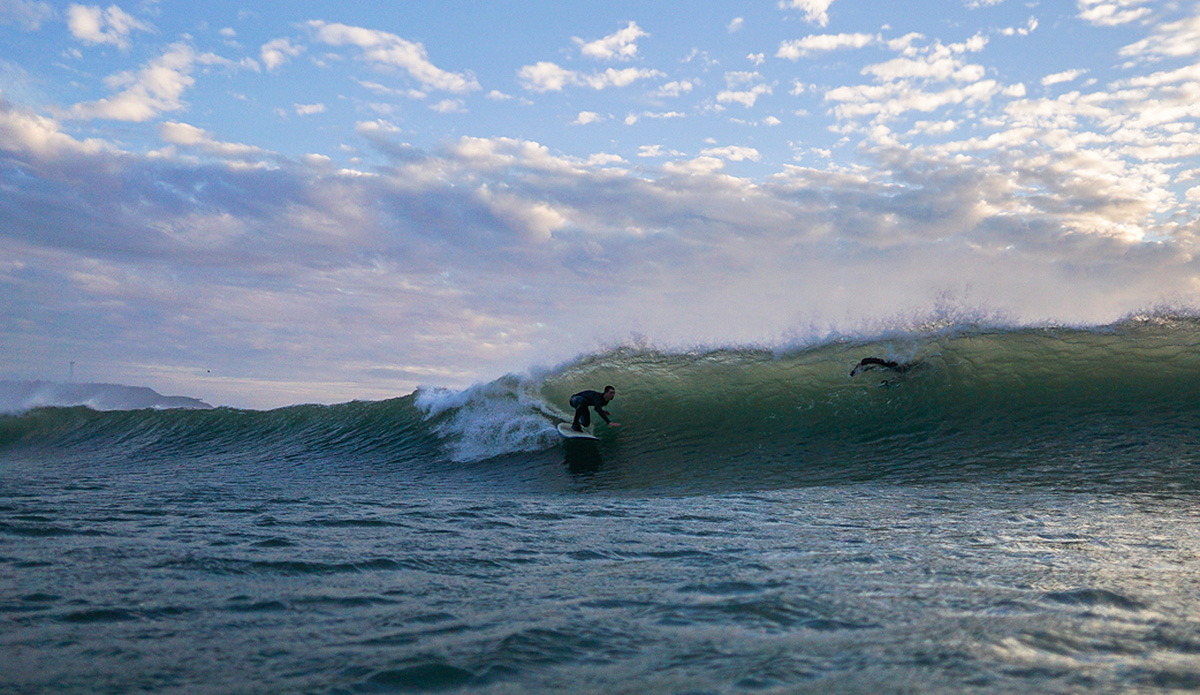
576, 402
583, 418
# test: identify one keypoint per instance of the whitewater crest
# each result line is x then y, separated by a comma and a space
505, 416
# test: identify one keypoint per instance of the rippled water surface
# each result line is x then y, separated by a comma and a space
138, 583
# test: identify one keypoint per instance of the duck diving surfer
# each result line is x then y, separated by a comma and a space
868, 363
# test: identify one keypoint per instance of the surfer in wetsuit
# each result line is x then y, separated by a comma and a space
873, 362
899, 369
594, 399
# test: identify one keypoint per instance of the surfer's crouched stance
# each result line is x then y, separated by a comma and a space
868, 363
582, 400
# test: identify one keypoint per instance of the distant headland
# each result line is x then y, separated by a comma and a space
20, 396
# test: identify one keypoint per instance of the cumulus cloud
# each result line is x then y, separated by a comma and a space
815, 11
1112, 12
385, 49
156, 88
550, 77
733, 153
546, 77
277, 52
822, 43
922, 79
450, 106
41, 139
675, 89
743, 88
1060, 77
1029, 28
186, 135
92, 24
1171, 40
621, 45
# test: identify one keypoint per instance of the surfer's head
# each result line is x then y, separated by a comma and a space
609, 393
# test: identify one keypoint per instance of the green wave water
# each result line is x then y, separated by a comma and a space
1116, 404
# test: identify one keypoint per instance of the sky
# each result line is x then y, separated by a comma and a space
261, 204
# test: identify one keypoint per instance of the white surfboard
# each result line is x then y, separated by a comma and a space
564, 428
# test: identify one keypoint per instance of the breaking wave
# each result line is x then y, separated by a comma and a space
1075, 405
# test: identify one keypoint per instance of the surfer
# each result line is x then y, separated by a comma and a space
872, 362
585, 399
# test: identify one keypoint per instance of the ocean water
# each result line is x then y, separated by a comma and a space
1016, 513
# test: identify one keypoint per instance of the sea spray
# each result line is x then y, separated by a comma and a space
491, 419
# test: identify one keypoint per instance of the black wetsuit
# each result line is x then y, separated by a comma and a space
580, 403
872, 362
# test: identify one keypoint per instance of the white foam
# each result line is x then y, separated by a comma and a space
500, 417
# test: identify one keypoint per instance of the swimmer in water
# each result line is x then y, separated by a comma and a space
868, 363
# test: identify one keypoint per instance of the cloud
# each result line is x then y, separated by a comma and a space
733, 153
892, 100
156, 88
736, 25
738, 93
822, 43
675, 89
745, 97
390, 50
484, 255
550, 77
533, 221
546, 77
28, 15
815, 11
190, 136
649, 151
1172, 40
40, 139
278, 52
1029, 28
1060, 77
449, 106
308, 109
617, 46
655, 115
1112, 12
922, 79
91, 24
478, 258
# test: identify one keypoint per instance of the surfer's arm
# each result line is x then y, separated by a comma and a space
600, 411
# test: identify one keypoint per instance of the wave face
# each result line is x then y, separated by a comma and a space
1111, 406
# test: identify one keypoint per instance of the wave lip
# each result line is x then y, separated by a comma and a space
22, 396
